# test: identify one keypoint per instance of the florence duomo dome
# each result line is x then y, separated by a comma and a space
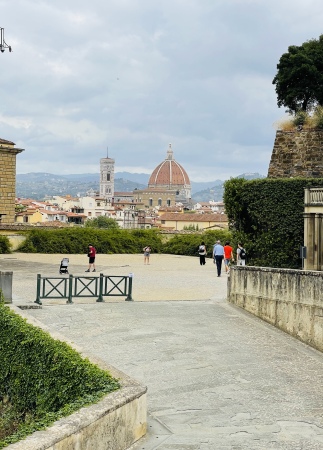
170, 175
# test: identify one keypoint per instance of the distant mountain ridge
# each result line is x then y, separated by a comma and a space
41, 184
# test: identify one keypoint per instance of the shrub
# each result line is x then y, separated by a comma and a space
42, 379
5, 246
102, 222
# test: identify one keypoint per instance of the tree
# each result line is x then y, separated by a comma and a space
299, 79
102, 222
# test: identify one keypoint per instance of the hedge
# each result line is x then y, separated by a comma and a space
187, 244
42, 379
267, 216
76, 240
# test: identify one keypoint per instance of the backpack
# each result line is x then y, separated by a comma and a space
242, 253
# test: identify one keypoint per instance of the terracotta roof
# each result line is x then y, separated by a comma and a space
69, 214
53, 213
54, 223
170, 209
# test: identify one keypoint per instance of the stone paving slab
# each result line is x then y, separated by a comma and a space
217, 377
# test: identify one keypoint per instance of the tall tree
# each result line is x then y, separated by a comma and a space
102, 222
299, 79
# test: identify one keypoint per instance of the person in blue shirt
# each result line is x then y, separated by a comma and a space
218, 255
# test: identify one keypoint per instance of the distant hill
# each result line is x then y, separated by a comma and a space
251, 176
38, 185
215, 191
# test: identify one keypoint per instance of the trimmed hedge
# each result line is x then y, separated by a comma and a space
43, 379
76, 240
267, 216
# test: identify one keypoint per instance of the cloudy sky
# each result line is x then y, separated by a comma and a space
135, 75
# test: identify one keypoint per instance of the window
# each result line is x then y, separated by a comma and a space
163, 221
168, 202
150, 202
159, 202
108, 177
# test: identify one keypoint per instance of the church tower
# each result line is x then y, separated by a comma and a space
107, 178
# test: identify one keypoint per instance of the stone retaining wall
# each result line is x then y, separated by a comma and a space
114, 423
297, 154
291, 300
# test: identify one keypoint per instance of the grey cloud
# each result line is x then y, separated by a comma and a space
136, 74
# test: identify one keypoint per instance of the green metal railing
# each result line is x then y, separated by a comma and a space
86, 286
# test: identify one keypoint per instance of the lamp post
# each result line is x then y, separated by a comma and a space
3, 44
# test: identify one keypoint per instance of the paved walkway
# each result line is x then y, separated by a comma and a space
217, 377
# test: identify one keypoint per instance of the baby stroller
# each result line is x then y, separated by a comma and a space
64, 266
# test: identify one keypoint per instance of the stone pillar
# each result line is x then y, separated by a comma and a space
309, 240
319, 240
6, 286
8, 181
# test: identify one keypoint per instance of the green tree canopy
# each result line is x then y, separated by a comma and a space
299, 79
102, 222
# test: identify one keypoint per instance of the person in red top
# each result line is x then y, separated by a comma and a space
91, 254
228, 256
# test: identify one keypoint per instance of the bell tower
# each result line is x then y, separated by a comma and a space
107, 178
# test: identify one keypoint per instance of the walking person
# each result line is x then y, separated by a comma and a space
241, 255
218, 254
147, 251
228, 256
202, 253
91, 254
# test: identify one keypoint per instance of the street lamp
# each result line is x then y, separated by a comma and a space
3, 44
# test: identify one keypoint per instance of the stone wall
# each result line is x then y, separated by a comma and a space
291, 300
297, 154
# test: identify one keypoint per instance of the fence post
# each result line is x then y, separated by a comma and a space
70, 289
129, 297
100, 298
38, 290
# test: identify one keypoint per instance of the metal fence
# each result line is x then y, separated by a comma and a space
86, 286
